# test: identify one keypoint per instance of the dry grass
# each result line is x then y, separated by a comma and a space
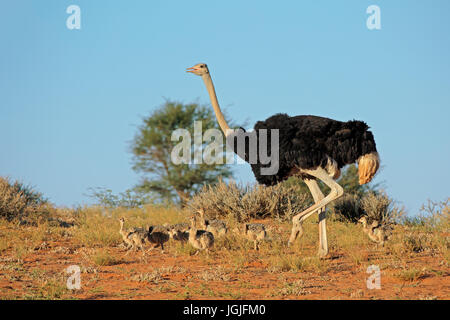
376, 206
103, 258
379, 207
216, 274
295, 288
155, 277
99, 227
412, 274
280, 202
95, 231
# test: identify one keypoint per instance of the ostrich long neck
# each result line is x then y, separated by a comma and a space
212, 95
192, 231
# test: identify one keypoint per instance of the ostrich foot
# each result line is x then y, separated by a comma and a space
297, 232
322, 253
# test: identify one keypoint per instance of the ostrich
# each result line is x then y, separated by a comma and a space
217, 227
310, 147
134, 237
255, 232
125, 234
375, 231
200, 239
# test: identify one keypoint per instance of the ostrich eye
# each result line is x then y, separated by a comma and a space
202, 66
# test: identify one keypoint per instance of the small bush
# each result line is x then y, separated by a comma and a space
347, 208
377, 207
433, 215
18, 200
281, 202
418, 241
413, 243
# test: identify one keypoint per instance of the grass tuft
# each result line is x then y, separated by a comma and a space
103, 258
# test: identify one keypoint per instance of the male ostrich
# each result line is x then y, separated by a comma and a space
312, 148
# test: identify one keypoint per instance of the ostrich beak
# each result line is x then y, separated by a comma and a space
191, 69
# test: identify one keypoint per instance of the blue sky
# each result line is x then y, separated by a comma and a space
70, 100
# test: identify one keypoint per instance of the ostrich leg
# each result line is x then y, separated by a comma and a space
336, 192
318, 196
297, 229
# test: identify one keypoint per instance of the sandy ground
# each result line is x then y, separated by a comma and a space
170, 275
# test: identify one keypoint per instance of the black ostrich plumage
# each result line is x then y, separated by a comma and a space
306, 141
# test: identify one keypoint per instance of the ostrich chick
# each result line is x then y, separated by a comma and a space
217, 227
179, 235
158, 235
125, 234
200, 239
375, 231
255, 232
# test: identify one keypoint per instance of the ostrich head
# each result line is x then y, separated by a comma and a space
193, 222
199, 69
201, 212
363, 220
